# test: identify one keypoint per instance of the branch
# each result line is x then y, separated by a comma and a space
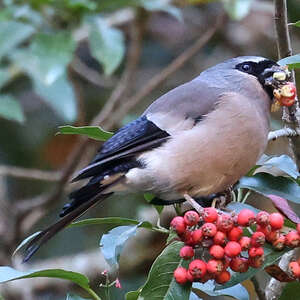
284, 132
29, 173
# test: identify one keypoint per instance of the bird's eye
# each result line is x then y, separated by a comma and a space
246, 68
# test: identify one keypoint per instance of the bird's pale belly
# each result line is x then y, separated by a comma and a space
206, 159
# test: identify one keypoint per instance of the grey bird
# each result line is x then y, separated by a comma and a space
196, 140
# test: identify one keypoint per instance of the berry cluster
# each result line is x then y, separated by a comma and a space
218, 239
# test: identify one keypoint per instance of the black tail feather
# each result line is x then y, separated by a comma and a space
49, 232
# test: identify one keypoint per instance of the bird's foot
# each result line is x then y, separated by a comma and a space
193, 202
222, 199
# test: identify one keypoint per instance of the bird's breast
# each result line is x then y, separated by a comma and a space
211, 156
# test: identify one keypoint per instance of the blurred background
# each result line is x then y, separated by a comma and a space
84, 62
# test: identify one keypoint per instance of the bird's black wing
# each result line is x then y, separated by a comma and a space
137, 136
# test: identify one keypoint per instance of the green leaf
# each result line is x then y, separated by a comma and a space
133, 295
11, 109
93, 132
74, 297
107, 44
237, 207
12, 34
47, 57
10, 274
267, 184
282, 162
161, 284
290, 291
60, 96
271, 257
158, 5
112, 220
237, 291
112, 243
297, 24
4, 77
292, 61
25, 241
237, 9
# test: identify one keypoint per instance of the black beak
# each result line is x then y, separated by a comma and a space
275, 75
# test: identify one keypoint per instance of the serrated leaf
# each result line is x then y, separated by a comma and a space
11, 109
237, 291
47, 57
292, 61
282, 162
75, 297
93, 132
271, 257
237, 9
25, 241
112, 243
267, 184
112, 220
10, 274
60, 96
107, 44
161, 284
12, 34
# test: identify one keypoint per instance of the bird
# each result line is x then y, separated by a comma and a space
194, 141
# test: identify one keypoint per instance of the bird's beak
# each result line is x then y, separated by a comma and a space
276, 76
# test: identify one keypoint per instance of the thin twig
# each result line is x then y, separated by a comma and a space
259, 291
284, 132
30, 173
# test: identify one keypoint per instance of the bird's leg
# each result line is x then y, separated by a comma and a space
222, 199
192, 201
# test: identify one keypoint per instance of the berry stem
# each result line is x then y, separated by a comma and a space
246, 196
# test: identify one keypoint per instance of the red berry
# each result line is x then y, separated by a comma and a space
216, 251
191, 218
239, 264
298, 228
263, 218
257, 239
279, 243
209, 229
272, 236
210, 214
189, 277
256, 262
292, 239
264, 229
226, 262
220, 238
232, 249
245, 243
186, 237
253, 252
214, 266
276, 220
246, 217
294, 269
180, 275
206, 277
224, 223
178, 224
197, 236
223, 277
235, 234
187, 252
197, 268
